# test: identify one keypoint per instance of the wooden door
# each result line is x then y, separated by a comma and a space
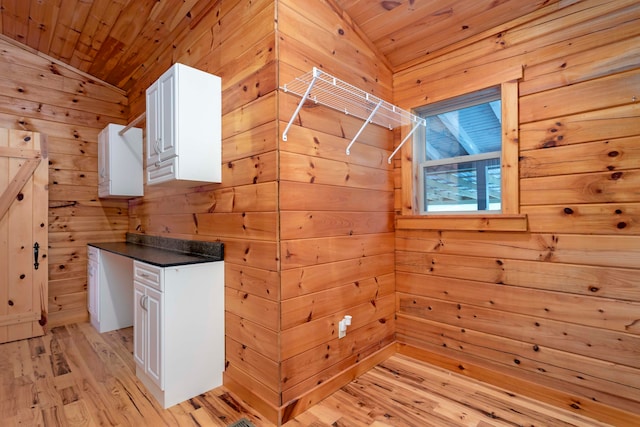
23, 235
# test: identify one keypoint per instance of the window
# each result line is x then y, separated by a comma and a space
459, 154
449, 96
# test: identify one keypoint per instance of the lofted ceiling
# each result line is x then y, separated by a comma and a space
405, 31
111, 39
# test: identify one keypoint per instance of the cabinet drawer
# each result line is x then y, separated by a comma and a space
149, 275
161, 171
93, 254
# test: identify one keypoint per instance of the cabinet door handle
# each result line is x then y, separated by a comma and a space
142, 300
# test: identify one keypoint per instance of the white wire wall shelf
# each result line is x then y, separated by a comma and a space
322, 88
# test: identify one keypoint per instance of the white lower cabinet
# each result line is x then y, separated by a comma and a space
109, 290
148, 332
179, 329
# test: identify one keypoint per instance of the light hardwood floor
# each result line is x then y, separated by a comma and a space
74, 376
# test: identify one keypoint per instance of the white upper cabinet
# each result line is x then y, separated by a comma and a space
120, 162
184, 118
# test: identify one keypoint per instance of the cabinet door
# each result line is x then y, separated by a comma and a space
154, 355
153, 124
168, 115
139, 325
93, 290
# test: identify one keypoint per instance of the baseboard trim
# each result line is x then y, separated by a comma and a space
592, 409
280, 415
268, 411
295, 407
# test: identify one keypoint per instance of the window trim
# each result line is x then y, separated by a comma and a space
510, 149
474, 222
510, 219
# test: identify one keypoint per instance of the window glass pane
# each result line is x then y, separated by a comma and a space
471, 130
494, 187
461, 154
464, 186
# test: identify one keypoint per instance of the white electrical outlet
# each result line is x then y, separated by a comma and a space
342, 326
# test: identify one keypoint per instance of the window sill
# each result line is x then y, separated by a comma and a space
475, 222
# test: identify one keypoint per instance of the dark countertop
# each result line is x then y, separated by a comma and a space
164, 252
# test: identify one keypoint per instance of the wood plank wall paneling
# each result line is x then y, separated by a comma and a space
236, 41
557, 305
325, 39
69, 109
336, 210
308, 230
246, 211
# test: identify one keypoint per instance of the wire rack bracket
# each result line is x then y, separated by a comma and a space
322, 88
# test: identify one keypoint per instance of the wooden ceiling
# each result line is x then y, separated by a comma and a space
108, 39
406, 30
111, 39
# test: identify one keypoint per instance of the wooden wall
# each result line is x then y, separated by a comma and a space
558, 305
69, 109
336, 212
308, 231
236, 41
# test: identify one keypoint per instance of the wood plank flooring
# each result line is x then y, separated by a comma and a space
74, 376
